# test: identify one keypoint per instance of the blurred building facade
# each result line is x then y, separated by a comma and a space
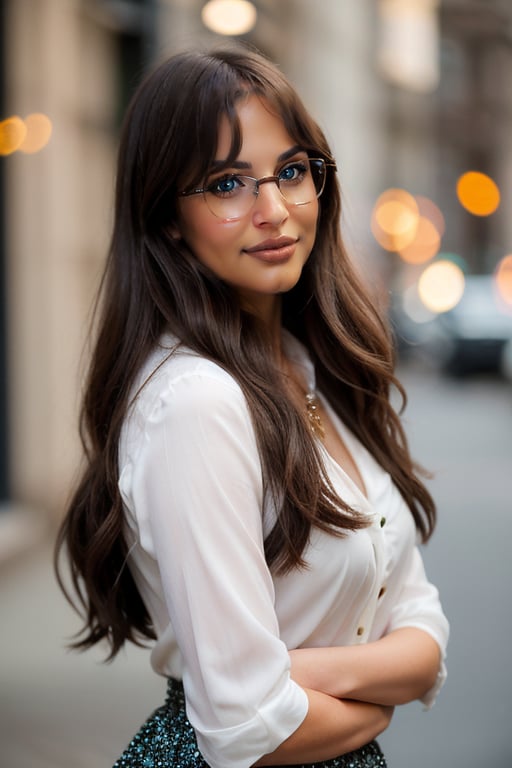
58, 61
474, 121
77, 61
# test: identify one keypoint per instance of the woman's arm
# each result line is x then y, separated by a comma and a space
331, 728
396, 669
404, 665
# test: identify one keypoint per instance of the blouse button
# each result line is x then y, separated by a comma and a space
360, 631
382, 591
382, 522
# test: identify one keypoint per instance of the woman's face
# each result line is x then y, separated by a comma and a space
262, 253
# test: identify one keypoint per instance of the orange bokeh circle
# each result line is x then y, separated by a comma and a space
478, 193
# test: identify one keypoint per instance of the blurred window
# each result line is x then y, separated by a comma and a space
133, 23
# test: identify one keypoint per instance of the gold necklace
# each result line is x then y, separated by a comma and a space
311, 402
315, 421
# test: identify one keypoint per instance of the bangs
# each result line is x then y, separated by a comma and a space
217, 99
222, 85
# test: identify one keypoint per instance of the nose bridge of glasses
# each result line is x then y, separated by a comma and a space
266, 180
276, 197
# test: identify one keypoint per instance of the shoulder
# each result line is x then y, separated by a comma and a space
173, 368
188, 417
179, 386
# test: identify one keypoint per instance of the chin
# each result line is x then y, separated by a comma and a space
287, 285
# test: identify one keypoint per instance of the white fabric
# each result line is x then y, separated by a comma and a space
190, 478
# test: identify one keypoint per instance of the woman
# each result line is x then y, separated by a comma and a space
258, 527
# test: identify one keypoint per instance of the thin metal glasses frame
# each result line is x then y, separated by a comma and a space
265, 180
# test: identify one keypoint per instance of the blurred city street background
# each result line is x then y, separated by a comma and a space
416, 100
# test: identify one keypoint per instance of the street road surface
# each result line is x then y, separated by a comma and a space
462, 431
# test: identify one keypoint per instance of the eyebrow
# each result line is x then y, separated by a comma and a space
240, 165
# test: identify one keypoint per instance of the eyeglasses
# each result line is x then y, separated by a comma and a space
231, 196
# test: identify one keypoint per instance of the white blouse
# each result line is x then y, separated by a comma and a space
191, 483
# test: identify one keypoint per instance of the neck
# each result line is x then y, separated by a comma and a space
267, 307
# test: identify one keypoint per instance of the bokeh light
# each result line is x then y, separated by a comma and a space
38, 133
427, 240
503, 277
411, 226
429, 210
12, 132
478, 193
425, 244
441, 286
229, 17
395, 219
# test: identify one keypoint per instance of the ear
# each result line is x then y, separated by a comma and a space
174, 231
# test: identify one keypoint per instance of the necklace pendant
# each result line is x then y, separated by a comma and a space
315, 422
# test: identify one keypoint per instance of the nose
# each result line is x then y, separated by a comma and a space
270, 208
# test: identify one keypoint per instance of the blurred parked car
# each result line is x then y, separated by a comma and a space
475, 336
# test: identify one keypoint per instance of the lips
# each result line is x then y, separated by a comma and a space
272, 244
274, 249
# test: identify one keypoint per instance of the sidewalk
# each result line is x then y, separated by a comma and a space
60, 709
20, 530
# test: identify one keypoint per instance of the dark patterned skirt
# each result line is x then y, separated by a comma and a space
167, 740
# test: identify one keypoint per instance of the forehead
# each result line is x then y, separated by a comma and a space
262, 131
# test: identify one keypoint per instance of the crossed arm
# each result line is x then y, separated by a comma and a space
396, 669
352, 691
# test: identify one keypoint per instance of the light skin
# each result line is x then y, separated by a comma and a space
227, 248
351, 690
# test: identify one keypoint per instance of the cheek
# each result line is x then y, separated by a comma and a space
198, 230
311, 220
223, 239
210, 240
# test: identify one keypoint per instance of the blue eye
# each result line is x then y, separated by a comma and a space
294, 172
227, 185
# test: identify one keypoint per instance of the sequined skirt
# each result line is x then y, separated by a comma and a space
167, 740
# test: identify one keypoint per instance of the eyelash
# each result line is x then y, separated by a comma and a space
213, 186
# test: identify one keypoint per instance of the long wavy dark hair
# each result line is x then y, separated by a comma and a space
154, 283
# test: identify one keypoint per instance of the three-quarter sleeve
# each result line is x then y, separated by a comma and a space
197, 490
418, 605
